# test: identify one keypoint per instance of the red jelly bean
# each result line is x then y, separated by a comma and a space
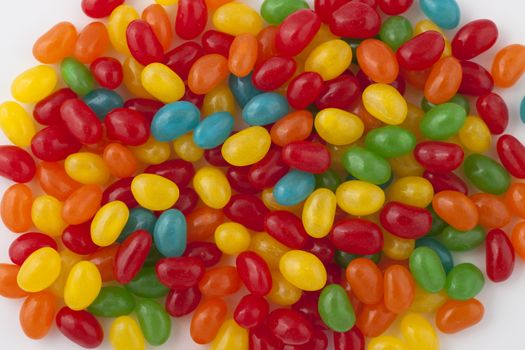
286, 228
351, 340
81, 121
120, 190
304, 89
357, 236
372, 3
214, 157
143, 43
77, 238
273, 73
108, 72
220, 281
325, 8
321, 248
47, 111
188, 200
128, 126
254, 273
131, 256
319, 341
476, 80
28, 243
54, 143
177, 170
494, 112
206, 251
474, 38
395, 7
181, 302
500, 256
190, 96
512, 155
176, 273
446, 182
100, 8
422, 51
439, 157
16, 164
262, 339
340, 92
217, 42
334, 274
239, 179
247, 210
269, 170
146, 107
192, 17
405, 221
251, 311
80, 327
307, 305
307, 156
181, 58
290, 326
355, 20
296, 32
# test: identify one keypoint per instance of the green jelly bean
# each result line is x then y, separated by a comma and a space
427, 269
464, 282
343, 258
366, 165
154, 322
396, 31
153, 257
443, 121
447, 260
335, 308
147, 285
275, 11
77, 76
139, 219
113, 302
390, 141
457, 99
329, 179
486, 174
438, 224
460, 241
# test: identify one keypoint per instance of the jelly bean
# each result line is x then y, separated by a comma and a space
56, 44
374, 320
82, 204
182, 302
456, 209
335, 308
39, 270
92, 42
154, 322
296, 32
446, 182
394, 7
366, 280
87, 168
131, 255
251, 311
268, 171
367, 166
154, 192
406, 221
385, 103
42, 304
476, 80
319, 213
439, 157
108, 223
103, 258
324, 8
355, 20
132, 78
247, 146
475, 135
307, 156
399, 288
243, 89
107, 71
207, 73
239, 180
444, 254
167, 2
161, 82
444, 80
34, 84
186, 149
493, 212
518, 239
443, 121
152, 152
191, 19
461, 240
508, 65
82, 286
422, 51
125, 333
387, 342
294, 188
80, 327
419, 333
158, 19
265, 109
395, 31
16, 124
243, 55
148, 108
217, 42
143, 43
457, 99
9, 287
181, 58
428, 302
54, 143
212, 187
207, 320
102, 102
232, 238
340, 92
47, 111
427, 269
99, 8
214, 130
120, 190
486, 174
146, 284
218, 100
290, 326
304, 270
390, 141
81, 121
120, 160
26, 244
336, 51
276, 11
230, 335
464, 282
384, 70
206, 251
128, 126
514, 199
494, 112
77, 238
338, 127
112, 302
16, 164
351, 340
510, 152
445, 14
359, 198
286, 228
46, 215
474, 38
455, 316
182, 272
202, 222
118, 22
77, 76
397, 248
500, 256
273, 73
254, 273
220, 281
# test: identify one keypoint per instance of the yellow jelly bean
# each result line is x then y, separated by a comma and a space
213, 187
46, 213
87, 168
303, 269
385, 342
82, 286
323, 35
268, 248
34, 84
475, 135
186, 149
219, 99
231, 336
152, 152
235, 18
162, 83
419, 333
270, 203
330, 59
108, 223
359, 198
232, 238
118, 23
247, 147
125, 334
397, 248
385, 103
406, 165
39, 270
283, 292
133, 78
16, 124
154, 192
338, 127
68, 259
426, 302
413, 119
166, 2
319, 212
412, 190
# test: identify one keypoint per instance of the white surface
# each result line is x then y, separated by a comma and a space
23, 21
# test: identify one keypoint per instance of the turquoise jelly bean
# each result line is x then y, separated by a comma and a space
77, 76
335, 308
103, 101
265, 109
294, 187
170, 233
444, 254
522, 110
174, 120
213, 130
243, 89
445, 13
139, 219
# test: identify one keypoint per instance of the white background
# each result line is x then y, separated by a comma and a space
503, 327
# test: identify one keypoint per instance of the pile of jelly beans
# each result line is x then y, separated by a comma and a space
268, 177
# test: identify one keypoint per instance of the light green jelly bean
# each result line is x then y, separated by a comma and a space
443, 121
427, 269
486, 174
461, 241
112, 302
396, 31
147, 285
275, 11
464, 282
154, 322
390, 141
335, 308
77, 76
366, 165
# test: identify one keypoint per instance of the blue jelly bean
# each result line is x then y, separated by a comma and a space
170, 233
243, 89
139, 219
447, 260
265, 109
103, 101
213, 130
174, 120
522, 110
294, 187
444, 13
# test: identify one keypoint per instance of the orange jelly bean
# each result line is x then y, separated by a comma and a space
493, 212
400, 288
266, 43
378, 61
518, 239
56, 44
82, 204
220, 281
92, 42
456, 209
455, 315
243, 55
15, 208
508, 65
366, 280
120, 160
207, 320
444, 80
202, 222
37, 314
215, 4
207, 73
54, 180
8, 285
104, 259
515, 199
374, 320
296, 126
158, 19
